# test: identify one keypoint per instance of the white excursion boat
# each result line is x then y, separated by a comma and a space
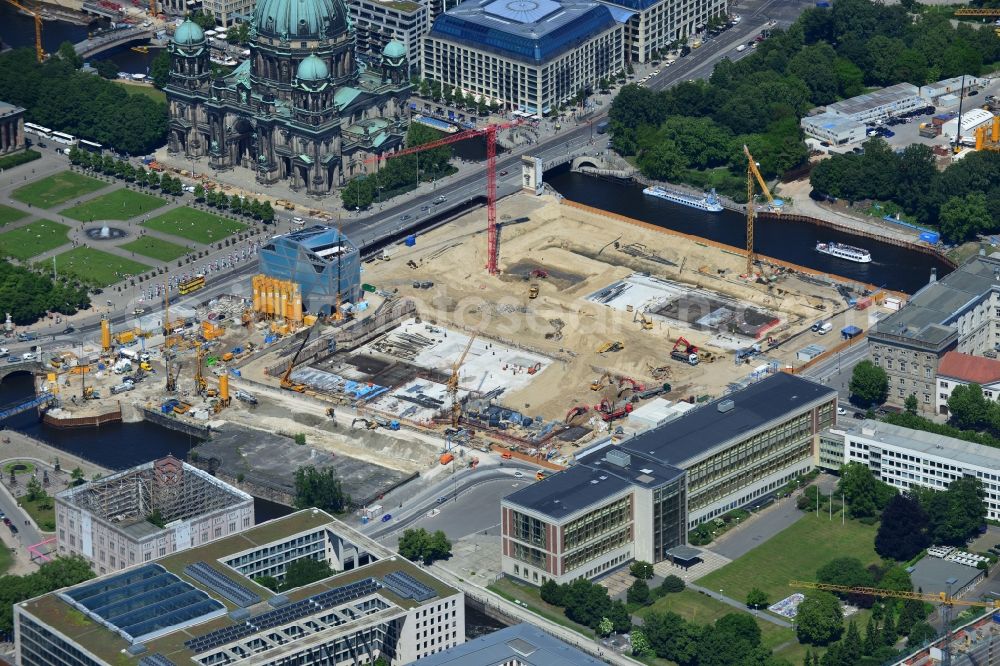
841, 251
709, 202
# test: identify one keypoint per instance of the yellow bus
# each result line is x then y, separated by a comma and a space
192, 285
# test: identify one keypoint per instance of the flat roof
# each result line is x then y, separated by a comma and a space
684, 553
931, 573
569, 491
317, 236
8, 109
928, 443
831, 121
701, 430
873, 100
929, 316
525, 643
533, 31
109, 645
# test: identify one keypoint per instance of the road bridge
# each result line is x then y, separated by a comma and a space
98, 10
34, 367
111, 40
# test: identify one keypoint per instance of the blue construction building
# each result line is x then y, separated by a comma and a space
321, 261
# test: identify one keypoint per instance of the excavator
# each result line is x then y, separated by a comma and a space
604, 381
645, 322
615, 346
685, 352
626, 384
286, 382
574, 412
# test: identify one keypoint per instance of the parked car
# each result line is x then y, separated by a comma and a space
741, 47
68, 330
841, 411
386, 518
442, 500
405, 218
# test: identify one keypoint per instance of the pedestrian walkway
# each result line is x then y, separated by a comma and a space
718, 596
707, 563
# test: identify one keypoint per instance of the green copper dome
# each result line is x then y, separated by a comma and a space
301, 19
189, 33
312, 69
394, 50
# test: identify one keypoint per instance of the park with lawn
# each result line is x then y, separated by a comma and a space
33, 239
122, 204
195, 225
155, 248
95, 267
57, 189
8, 215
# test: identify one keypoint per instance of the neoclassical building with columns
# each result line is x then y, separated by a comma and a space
301, 109
11, 128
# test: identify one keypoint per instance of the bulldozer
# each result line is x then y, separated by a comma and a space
607, 347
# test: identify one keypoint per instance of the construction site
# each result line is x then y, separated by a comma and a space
592, 325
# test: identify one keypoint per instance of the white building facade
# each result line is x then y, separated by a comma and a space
378, 22
656, 24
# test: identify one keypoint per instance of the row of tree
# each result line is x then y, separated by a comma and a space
400, 174
320, 488
732, 639
827, 54
58, 96
448, 94
963, 200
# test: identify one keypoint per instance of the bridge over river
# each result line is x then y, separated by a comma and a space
110, 40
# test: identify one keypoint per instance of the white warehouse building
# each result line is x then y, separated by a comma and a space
972, 120
879, 105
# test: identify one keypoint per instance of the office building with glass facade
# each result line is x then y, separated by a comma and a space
207, 606
637, 500
321, 261
531, 56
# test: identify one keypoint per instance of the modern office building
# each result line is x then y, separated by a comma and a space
519, 645
204, 607
531, 56
656, 24
879, 105
906, 458
377, 23
637, 500
957, 369
960, 312
11, 128
321, 261
300, 110
147, 512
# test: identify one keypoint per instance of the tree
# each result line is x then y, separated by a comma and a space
865, 494
620, 616
305, 571
910, 404
266, 212
586, 603
605, 627
672, 584
550, 591
106, 69
869, 384
35, 490
77, 476
420, 545
968, 407
819, 620
425, 88
670, 636
56, 574
67, 52
756, 598
270, 582
845, 571
638, 593
902, 532
641, 570
205, 20
640, 644
921, 633
955, 514
320, 489
159, 69
963, 217
199, 192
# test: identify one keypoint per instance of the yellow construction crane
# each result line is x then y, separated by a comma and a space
456, 407
988, 137
199, 375
39, 52
941, 597
286, 379
753, 175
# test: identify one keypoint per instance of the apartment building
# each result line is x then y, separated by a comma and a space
652, 25
379, 22
638, 499
957, 369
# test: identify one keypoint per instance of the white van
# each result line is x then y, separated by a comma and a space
130, 354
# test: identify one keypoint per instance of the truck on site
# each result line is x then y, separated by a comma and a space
245, 396
685, 352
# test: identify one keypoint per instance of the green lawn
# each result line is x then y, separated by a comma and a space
8, 215
194, 225
156, 248
45, 518
96, 267
794, 554
33, 239
147, 91
118, 205
529, 596
56, 189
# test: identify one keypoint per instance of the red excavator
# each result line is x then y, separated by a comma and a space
579, 410
609, 411
685, 352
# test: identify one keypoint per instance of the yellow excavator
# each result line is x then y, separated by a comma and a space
286, 381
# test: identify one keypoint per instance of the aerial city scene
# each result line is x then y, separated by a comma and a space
499, 332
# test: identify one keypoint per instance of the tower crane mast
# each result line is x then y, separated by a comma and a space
456, 408
754, 178
490, 132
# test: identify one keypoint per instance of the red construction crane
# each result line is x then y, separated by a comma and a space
490, 132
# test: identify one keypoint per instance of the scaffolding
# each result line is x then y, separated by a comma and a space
174, 490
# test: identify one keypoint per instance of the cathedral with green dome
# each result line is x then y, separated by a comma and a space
301, 109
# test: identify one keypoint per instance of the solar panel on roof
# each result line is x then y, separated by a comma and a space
156, 660
408, 587
239, 594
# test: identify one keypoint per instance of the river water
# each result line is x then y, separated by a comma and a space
892, 267
18, 30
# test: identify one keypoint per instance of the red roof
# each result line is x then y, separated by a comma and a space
968, 368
